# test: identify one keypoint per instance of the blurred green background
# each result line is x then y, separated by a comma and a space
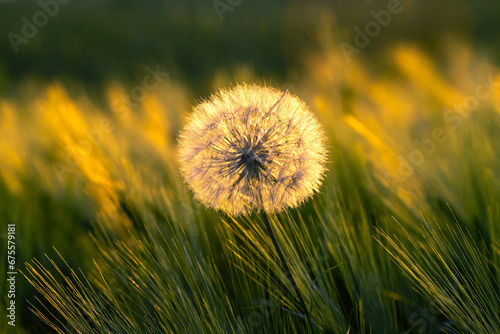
92, 41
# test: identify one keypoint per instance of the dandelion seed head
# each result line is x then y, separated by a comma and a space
252, 147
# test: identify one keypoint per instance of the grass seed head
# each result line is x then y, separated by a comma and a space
252, 147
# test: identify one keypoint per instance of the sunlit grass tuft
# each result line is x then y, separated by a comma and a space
454, 273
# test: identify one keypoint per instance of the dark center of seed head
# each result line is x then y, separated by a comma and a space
252, 161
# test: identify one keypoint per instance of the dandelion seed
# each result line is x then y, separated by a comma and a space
252, 147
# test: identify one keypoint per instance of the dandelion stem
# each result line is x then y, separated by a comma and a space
287, 270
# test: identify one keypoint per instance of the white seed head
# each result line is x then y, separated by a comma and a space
252, 147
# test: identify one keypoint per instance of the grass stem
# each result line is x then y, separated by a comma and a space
287, 271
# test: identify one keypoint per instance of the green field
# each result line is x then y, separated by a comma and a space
403, 236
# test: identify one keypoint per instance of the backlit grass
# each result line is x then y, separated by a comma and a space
408, 215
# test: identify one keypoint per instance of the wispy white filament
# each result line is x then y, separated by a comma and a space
252, 147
